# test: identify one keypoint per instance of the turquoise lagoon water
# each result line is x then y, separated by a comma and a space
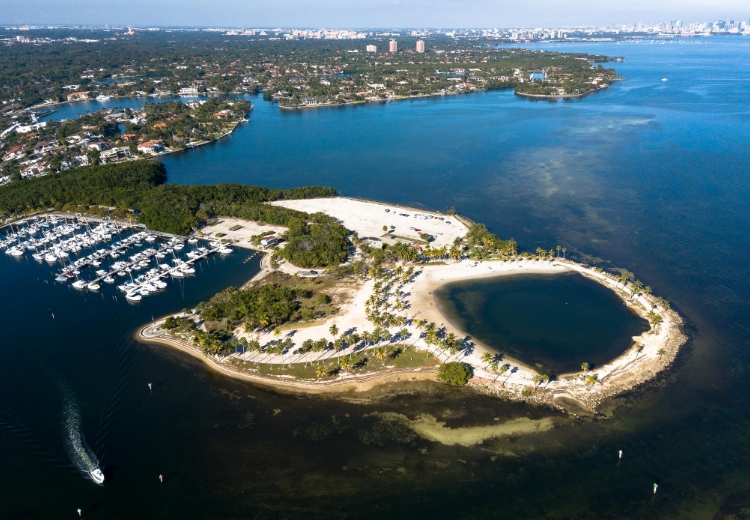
648, 176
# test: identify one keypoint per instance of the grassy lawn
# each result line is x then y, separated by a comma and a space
362, 363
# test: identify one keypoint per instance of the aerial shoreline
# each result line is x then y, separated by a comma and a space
660, 344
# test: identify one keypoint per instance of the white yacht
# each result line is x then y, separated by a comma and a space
97, 476
79, 285
93, 286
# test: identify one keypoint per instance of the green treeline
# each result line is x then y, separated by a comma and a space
139, 185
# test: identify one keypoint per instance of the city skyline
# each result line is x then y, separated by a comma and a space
366, 13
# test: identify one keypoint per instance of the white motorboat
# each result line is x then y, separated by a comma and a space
97, 476
79, 285
225, 251
192, 240
122, 273
177, 273
109, 279
93, 286
185, 268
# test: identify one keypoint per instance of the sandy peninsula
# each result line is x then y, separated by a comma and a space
658, 346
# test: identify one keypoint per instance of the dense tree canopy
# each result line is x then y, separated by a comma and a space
265, 306
320, 243
140, 186
454, 373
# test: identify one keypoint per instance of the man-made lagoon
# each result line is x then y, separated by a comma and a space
553, 323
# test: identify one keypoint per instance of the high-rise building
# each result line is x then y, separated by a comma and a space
393, 46
372, 48
420, 45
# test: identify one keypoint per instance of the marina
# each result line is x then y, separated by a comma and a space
114, 249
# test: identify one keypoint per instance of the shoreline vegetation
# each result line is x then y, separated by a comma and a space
334, 353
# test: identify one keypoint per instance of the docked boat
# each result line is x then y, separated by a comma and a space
225, 251
109, 279
79, 285
177, 273
133, 297
93, 286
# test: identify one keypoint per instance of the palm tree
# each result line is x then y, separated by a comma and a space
404, 333
334, 330
636, 286
487, 358
563, 250
277, 332
346, 365
585, 367
592, 379
558, 250
537, 379
661, 352
381, 354
320, 371
639, 348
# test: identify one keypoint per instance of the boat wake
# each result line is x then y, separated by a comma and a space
82, 457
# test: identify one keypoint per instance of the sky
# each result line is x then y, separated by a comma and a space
369, 13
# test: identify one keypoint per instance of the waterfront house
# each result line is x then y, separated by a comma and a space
78, 96
117, 154
152, 147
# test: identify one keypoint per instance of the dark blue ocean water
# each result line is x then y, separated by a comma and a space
649, 176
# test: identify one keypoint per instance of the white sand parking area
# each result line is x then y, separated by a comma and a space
368, 218
241, 235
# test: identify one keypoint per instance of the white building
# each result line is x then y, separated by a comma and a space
420, 46
393, 46
371, 48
